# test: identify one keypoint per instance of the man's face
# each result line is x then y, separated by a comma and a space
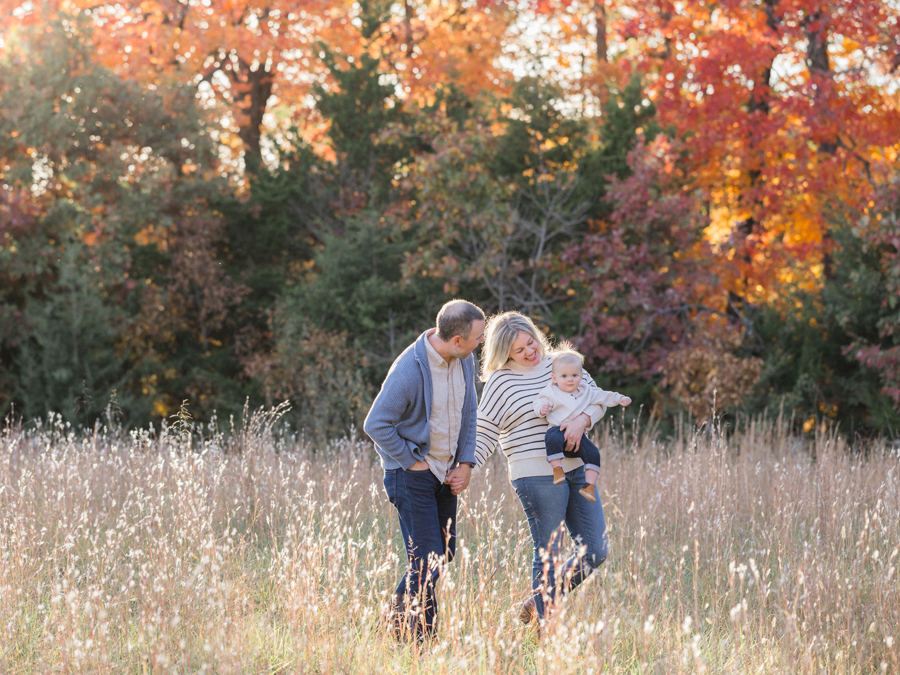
567, 376
462, 347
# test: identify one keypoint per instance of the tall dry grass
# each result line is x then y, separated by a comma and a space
251, 553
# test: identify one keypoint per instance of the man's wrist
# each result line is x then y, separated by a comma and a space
471, 465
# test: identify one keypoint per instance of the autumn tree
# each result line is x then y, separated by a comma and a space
787, 116
490, 207
830, 356
252, 57
110, 248
648, 273
350, 284
877, 233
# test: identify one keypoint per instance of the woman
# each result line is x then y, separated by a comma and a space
516, 366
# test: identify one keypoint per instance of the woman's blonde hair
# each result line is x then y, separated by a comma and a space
499, 335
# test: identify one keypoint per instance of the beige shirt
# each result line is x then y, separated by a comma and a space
448, 385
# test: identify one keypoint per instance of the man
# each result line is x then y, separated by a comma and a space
423, 424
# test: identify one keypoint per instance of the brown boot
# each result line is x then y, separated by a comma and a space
587, 491
559, 476
529, 611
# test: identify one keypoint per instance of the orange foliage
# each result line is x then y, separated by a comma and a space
251, 55
787, 114
784, 103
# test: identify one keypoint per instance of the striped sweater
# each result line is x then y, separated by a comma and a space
506, 417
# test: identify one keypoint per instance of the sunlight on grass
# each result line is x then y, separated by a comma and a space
254, 553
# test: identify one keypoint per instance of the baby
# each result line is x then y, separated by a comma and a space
564, 399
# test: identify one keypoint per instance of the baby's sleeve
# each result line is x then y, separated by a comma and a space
539, 403
606, 398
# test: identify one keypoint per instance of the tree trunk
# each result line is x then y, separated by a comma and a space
819, 67
820, 75
757, 106
600, 23
407, 25
253, 95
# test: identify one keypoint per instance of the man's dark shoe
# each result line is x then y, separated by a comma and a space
405, 627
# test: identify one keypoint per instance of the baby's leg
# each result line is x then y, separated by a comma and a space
590, 455
555, 443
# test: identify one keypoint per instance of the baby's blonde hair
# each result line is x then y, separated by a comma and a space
565, 353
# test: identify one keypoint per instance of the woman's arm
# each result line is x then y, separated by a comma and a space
466, 446
487, 438
488, 428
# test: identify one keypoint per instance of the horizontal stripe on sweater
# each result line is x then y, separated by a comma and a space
506, 418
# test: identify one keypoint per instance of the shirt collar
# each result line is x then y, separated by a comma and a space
433, 357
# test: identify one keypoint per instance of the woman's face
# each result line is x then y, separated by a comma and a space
525, 351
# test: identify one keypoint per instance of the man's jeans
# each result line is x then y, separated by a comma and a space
547, 507
425, 505
587, 452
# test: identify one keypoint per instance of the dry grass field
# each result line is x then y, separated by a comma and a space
251, 553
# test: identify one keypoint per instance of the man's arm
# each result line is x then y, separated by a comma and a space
459, 476
466, 446
381, 423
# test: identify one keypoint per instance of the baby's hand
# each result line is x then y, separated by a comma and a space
625, 401
545, 409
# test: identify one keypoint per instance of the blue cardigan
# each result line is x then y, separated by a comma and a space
398, 420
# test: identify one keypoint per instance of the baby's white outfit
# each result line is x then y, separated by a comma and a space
565, 406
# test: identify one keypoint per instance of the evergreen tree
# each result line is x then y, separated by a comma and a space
810, 367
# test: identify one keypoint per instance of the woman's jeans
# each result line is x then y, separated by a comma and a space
427, 511
547, 507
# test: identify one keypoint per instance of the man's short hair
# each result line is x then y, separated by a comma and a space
456, 318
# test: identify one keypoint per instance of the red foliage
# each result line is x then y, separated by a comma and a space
18, 214
785, 118
649, 281
883, 233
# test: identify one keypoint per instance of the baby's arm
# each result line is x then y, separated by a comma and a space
542, 406
609, 398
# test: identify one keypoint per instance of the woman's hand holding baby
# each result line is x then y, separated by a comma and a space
574, 430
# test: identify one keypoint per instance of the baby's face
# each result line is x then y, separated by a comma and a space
566, 376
